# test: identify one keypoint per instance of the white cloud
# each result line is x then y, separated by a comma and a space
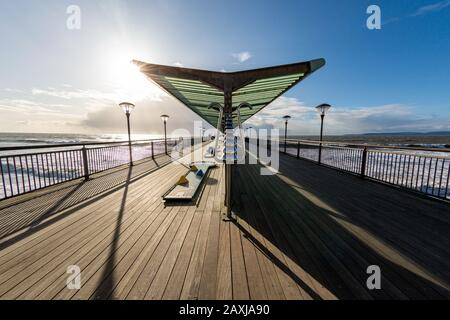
344, 120
74, 94
438, 6
242, 56
112, 96
178, 64
13, 90
74, 110
22, 115
28, 106
435, 7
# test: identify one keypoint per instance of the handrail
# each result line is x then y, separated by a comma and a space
78, 144
371, 146
423, 170
30, 170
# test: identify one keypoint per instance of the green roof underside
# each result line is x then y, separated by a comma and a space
262, 92
198, 89
193, 94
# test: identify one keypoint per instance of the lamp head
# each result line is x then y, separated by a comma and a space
323, 108
164, 118
127, 107
287, 118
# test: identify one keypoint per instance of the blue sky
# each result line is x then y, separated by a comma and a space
59, 80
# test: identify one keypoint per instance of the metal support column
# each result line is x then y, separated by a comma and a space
228, 110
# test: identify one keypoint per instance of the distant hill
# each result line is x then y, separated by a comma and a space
434, 133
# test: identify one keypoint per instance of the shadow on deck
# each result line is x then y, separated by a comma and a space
332, 226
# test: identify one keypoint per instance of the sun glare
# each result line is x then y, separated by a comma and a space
130, 84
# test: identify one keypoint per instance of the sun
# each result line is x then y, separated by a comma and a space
129, 82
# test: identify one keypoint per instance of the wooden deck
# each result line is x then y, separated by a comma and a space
308, 232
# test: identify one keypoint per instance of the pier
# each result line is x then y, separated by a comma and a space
308, 232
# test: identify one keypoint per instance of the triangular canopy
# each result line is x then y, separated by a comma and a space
199, 89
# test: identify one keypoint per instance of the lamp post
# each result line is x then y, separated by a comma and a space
322, 109
127, 107
286, 120
164, 118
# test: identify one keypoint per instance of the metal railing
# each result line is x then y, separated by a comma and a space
425, 170
23, 169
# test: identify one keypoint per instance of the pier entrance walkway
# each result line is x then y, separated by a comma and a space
308, 232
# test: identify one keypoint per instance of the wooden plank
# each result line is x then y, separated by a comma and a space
38, 206
161, 276
224, 289
193, 274
90, 261
191, 282
124, 224
277, 282
208, 282
173, 288
261, 233
148, 216
77, 216
297, 249
180, 270
67, 237
126, 283
150, 268
412, 288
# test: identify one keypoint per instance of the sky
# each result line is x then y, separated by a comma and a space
59, 79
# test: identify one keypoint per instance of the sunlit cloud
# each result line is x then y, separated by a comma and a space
144, 119
178, 64
29, 106
21, 115
74, 94
242, 56
115, 95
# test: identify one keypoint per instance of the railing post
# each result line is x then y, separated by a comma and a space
257, 148
192, 156
363, 163
298, 149
85, 162
153, 150
320, 153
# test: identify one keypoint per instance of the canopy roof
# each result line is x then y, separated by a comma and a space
199, 89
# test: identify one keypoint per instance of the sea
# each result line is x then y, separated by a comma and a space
30, 139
